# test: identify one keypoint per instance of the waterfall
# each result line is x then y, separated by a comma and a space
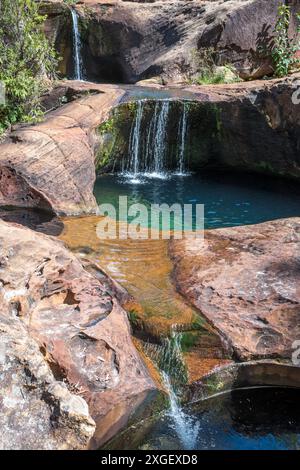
160, 138
169, 359
135, 141
147, 147
182, 131
76, 47
186, 427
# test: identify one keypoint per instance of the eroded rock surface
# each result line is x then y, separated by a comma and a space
130, 41
82, 332
246, 282
36, 411
51, 165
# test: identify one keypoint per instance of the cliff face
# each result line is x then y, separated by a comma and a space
129, 41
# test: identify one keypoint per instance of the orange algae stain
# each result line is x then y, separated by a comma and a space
144, 269
198, 367
152, 369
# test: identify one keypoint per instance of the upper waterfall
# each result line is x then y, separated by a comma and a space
78, 69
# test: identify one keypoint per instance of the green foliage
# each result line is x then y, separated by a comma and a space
208, 73
27, 61
284, 48
212, 78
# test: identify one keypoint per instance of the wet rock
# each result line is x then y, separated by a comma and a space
245, 281
81, 331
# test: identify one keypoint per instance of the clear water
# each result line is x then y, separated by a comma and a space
251, 419
229, 200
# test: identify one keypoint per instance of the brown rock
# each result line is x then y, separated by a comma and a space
51, 165
246, 282
131, 41
81, 329
36, 410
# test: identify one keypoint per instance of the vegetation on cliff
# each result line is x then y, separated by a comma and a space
285, 48
27, 61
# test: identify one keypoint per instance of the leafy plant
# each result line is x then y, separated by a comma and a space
27, 61
284, 48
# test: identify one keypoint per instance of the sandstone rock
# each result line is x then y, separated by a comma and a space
253, 126
51, 165
36, 410
129, 41
81, 330
246, 282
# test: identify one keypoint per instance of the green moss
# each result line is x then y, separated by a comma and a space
188, 340
215, 385
133, 318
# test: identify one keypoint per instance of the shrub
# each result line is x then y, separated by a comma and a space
27, 61
284, 48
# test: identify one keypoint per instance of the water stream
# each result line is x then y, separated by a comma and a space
143, 266
170, 360
78, 68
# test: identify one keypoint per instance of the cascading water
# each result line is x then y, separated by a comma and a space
182, 132
168, 357
135, 141
148, 145
146, 156
78, 73
186, 427
160, 137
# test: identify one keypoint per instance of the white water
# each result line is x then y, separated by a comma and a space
135, 141
147, 159
169, 359
186, 427
160, 138
77, 47
182, 138
148, 144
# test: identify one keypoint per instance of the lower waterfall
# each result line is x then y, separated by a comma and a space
148, 142
169, 359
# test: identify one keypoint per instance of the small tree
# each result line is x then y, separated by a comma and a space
26, 60
284, 48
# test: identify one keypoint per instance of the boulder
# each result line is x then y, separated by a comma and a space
36, 410
245, 281
80, 331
